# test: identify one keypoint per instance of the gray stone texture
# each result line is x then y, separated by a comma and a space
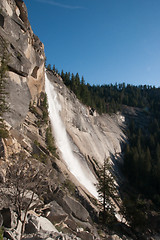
26, 60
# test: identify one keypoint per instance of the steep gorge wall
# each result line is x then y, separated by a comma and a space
94, 136
24, 80
26, 60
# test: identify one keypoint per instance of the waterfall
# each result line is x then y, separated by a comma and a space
78, 167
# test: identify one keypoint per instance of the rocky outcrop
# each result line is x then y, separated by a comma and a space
26, 60
36, 228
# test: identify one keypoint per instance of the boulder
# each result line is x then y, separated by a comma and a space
9, 218
35, 224
71, 224
46, 225
77, 210
31, 227
50, 236
56, 214
6, 214
85, 236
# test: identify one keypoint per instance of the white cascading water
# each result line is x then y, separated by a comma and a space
77, 167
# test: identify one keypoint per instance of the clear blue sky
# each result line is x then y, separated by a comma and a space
106, 41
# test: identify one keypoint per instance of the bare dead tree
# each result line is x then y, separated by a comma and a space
26, 181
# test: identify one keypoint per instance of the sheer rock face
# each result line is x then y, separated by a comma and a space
91, 135
26, 60
26, 131
95, 136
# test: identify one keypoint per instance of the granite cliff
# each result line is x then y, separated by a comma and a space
26, 60
65, 203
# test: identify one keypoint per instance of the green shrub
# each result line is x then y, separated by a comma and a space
43, 106
40, 157
1, 233
50, 142
70, 186
3, 133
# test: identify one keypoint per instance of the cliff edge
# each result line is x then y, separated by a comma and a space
26, 60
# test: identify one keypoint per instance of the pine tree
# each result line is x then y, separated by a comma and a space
62, 75
73, 83
54, 68
67, 80
107, 191
49, 67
